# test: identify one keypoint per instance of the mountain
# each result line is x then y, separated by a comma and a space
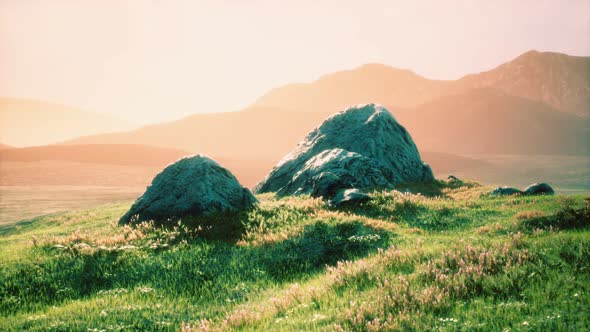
369, 83
559, 80
489, 121
26, 122
250, 133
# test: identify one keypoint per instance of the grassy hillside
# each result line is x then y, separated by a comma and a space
458, 261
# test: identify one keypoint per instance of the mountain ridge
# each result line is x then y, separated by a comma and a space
28, 122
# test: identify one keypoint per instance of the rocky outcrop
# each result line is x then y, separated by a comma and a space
193, 186
363, 147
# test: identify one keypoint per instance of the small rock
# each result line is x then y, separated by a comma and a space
452, 178
349, 197
505, 191
539, 188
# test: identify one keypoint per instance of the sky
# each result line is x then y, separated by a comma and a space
154, 60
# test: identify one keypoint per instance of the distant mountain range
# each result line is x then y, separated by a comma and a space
539, 103
26, 122
559, 80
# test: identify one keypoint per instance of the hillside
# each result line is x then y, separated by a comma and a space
369, 83
489, 121
559, 80
111, 165
250, 133
26, 122
459, 261
445, 116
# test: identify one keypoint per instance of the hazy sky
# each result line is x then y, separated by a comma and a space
162, 59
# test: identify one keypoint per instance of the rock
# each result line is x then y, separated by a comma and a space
539, 188
349, 197
367, 130
332, 170
194, 186
505, 191
452, 178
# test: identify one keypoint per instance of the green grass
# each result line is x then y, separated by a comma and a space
449, 259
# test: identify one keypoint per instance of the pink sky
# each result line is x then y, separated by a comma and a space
160, 60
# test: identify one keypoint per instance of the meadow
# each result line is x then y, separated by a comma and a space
24, 203
443, 257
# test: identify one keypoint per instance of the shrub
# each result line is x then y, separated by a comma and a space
567, 217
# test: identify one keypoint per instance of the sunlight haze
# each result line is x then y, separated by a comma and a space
151, 61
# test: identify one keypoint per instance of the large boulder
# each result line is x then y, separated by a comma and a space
194, 186
361, 135
331, 170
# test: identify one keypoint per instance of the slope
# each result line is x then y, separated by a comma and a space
26, 122
491, 121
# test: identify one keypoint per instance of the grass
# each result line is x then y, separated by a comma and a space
449, 258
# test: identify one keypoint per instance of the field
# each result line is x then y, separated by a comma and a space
451, 258
22, 203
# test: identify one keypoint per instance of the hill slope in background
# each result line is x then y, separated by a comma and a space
369, 83
26, 122
481, 121
111, 154
492, 122
250, 133
131, 165
110, 165
560, 80
447, 116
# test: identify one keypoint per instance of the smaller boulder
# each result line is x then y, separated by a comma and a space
349, 197
505, 191
452, 178
193, 187
539, 188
